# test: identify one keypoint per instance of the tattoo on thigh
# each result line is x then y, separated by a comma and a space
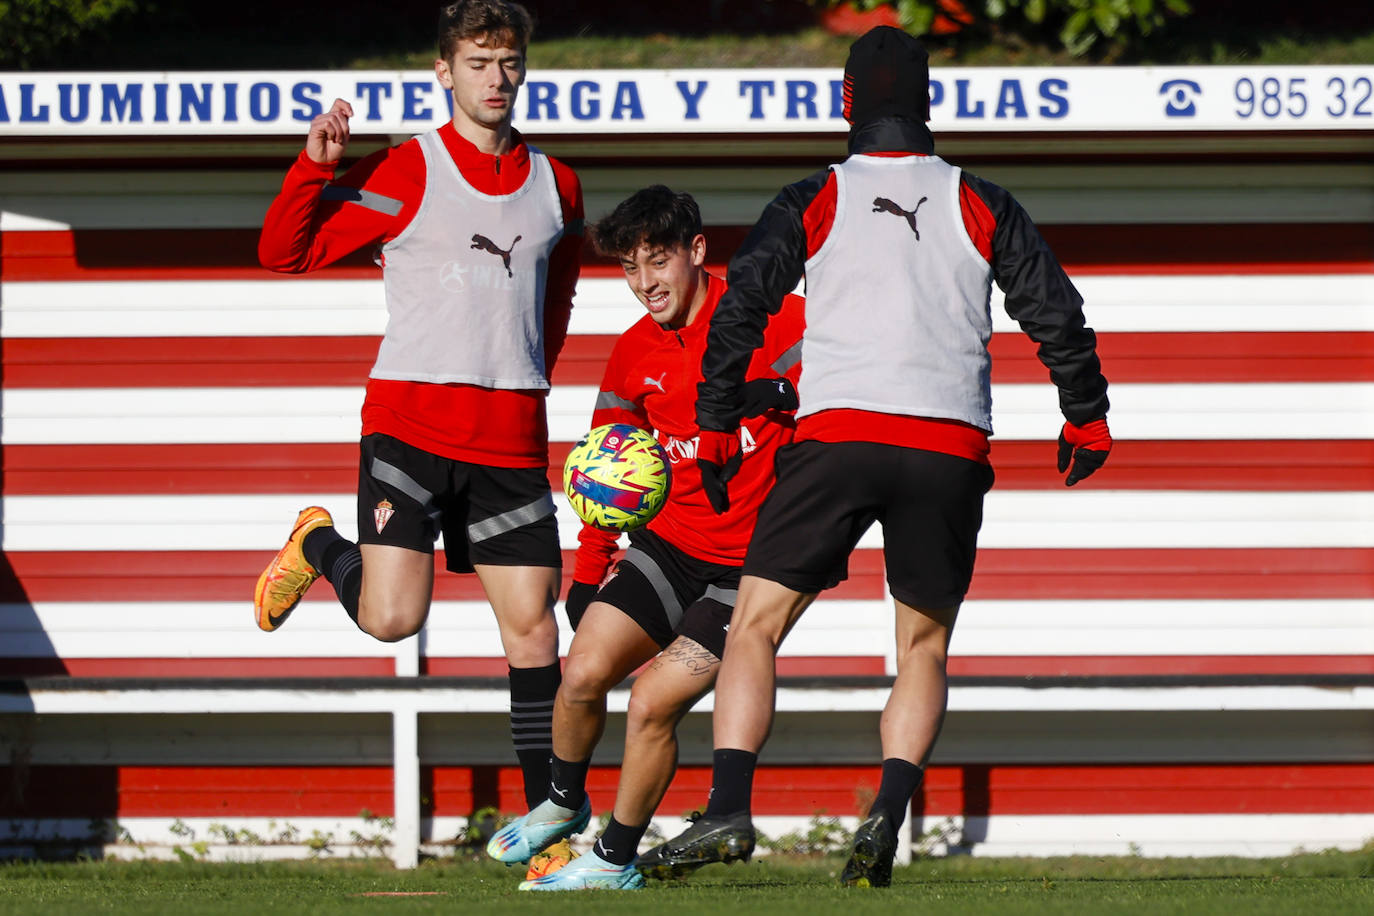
690, 654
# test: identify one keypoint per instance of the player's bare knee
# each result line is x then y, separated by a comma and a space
390, 632
651, 713
586, 679
755, 630
531, 652
927, 654
535, 629
388, 624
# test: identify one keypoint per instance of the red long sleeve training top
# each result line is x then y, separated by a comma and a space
651, 382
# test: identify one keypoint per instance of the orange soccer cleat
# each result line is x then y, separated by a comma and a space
285, 580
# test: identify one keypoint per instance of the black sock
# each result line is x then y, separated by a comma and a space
618, 843
732, 782
531, 725
568, 782
900, 781
338, 560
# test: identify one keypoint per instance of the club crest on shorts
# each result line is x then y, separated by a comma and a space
382, 514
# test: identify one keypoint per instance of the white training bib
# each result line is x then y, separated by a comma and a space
465, 280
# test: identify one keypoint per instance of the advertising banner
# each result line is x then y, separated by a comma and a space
564, 102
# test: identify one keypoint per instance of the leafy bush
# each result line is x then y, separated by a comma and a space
1076, 25
35, 30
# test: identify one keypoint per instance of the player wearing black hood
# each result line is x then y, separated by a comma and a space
899, 250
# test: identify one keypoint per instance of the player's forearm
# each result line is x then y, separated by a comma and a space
287, 243
767, 267
1043, 301
594, 551
315, 221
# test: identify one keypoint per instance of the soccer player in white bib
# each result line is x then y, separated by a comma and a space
899, 250
471, 222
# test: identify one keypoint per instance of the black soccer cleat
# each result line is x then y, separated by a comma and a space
709, 839
875, 845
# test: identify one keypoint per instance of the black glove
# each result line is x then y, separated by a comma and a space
1085, 447
714, 478
764, 394
718, 459
580, 594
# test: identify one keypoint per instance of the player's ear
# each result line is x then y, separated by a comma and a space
698, 250
441, 72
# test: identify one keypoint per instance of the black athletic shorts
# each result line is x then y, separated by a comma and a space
488, 515
670, 593
827, 495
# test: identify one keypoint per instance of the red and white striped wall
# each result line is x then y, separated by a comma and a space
1138, 667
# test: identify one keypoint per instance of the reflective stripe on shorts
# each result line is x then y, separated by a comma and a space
394, 476
641, 561
726, 596
509, 521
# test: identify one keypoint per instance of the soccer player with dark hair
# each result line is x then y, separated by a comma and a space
469, 220
670, 598
899, 250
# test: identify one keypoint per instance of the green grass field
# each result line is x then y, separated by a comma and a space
1326, 883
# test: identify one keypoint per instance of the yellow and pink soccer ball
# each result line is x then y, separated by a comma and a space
617, 477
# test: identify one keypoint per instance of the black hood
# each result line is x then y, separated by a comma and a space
887, 74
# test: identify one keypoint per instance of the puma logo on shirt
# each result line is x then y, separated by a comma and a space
883, 205
486, 244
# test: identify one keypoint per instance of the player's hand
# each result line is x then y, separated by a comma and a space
718, 459
580, 596
328, 136
1085, 448
764, 394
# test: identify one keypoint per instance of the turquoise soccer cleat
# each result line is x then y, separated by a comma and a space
545, 825
588, 872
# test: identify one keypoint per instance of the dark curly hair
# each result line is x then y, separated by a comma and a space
656, 216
